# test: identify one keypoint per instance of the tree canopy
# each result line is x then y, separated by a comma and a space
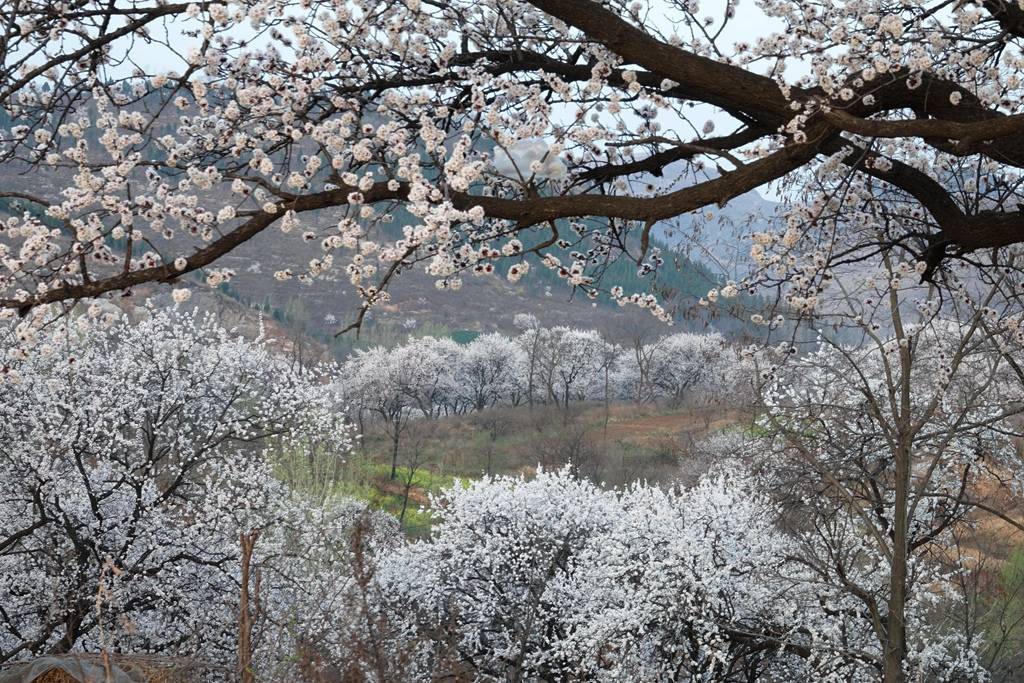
169, 134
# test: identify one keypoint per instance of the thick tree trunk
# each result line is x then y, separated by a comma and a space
245, 672
896, 628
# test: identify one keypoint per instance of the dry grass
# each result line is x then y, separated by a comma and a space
627, 443
136, 668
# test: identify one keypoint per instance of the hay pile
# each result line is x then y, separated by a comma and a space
89, 668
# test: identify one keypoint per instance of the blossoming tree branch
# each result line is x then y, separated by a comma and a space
176, 132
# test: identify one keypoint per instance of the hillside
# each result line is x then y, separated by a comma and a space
486, 303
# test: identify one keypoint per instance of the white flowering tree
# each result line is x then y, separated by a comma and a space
633, 376
490, 372
530, 340
500, 551
685, 365
504, 129
429, 374
680, 367
376, 384
569, 363
133, 455
554, 578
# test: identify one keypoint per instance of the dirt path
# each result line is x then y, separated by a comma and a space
645, 428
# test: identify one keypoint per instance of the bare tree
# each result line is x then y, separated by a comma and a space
887, 444
496, 422
423, 433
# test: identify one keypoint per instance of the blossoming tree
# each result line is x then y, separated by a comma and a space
557, 578
175, 132
133, 456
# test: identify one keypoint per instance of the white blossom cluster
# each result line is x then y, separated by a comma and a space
136, 449
133, 458
557, 366
554, 577
473, 144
